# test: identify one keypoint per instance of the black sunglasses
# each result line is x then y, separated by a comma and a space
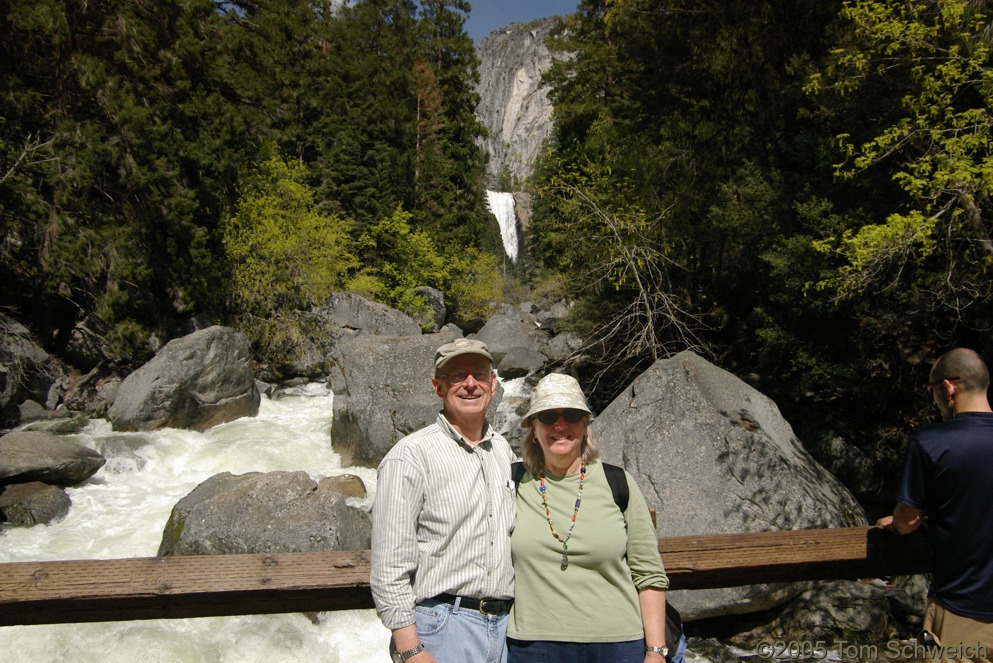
549, 417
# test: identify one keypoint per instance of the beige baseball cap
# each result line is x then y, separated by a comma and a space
460, 346
555, 391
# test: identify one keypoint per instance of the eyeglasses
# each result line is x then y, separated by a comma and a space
458, 377
549, 417
931, 385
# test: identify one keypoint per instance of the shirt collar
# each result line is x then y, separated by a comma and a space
449, 431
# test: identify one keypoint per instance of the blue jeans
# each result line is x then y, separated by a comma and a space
546, 651
453, 634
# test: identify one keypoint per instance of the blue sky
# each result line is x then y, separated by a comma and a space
489, 15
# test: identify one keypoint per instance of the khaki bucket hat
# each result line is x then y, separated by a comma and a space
555, 391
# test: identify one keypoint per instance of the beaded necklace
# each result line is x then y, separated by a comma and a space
548, 515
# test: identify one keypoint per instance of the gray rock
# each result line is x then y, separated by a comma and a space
712, 456
194, 382
382, 391
313, 337
519, 362
26, 371
352, 314
34, 411
35, 456
502, 332
86, 349
562, 346
263, 513
847, 462
33, 503
551, 319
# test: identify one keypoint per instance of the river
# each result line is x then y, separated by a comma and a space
121, 511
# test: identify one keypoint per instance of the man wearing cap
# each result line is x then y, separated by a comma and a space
442, 578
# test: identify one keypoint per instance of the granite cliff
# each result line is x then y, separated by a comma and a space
513, 105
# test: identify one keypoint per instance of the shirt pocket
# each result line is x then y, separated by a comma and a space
509, 507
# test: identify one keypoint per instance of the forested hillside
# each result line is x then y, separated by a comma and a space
801, 190
797, 190
164, 159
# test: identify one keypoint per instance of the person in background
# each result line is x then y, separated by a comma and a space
590, 585
946, 485
441, 577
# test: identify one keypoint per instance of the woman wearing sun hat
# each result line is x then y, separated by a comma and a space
590, 585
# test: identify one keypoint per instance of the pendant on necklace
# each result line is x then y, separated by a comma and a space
565, 557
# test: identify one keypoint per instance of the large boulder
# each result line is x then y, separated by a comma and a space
382, 391
27, 456
194, 382
33, 503
519, 362
713, 456
346, 313
264, 513
316, 334
503, 332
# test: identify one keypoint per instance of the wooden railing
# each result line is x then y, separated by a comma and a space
210, 586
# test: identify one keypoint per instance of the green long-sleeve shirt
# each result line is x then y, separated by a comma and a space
611, 557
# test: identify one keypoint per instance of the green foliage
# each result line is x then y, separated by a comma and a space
474, 283
396, 259
128, 128
283, 253
937, 149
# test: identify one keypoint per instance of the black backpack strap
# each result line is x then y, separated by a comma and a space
618, 485
517, 472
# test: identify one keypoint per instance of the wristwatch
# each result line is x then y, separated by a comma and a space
657, 650
401, 656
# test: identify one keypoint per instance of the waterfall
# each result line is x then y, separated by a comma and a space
501, 204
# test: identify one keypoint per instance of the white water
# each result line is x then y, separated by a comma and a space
502, 206
121, 511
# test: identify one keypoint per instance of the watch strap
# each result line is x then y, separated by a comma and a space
402, 656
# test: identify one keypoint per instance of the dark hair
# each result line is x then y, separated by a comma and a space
964, 364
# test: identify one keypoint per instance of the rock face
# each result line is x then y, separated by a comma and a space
263, 513
26, 372
712, 456
513, 106
194, 382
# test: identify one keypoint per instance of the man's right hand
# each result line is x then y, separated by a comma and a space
405, 639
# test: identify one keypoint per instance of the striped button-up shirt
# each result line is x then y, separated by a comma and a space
441, 521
